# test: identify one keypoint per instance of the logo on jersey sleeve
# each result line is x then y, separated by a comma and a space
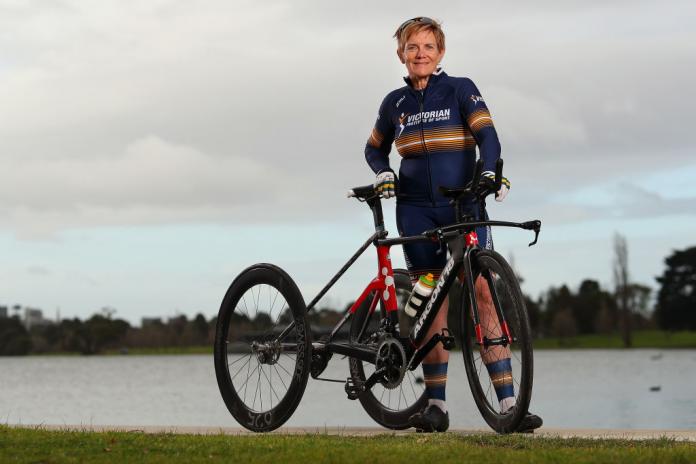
476, 99
400, 100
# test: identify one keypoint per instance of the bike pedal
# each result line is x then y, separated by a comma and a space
448, 343
353, 390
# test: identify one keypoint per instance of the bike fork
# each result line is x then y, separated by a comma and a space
482, 341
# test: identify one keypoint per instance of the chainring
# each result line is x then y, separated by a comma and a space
392, 358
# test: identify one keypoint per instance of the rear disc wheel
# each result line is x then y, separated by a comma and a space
388, 405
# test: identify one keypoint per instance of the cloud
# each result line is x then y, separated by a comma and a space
152, 180
265, 118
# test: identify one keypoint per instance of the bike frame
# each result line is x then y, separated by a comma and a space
463, 243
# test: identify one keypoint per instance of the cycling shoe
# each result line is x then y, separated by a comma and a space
431, 419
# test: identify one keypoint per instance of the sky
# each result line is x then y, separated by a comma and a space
150, 151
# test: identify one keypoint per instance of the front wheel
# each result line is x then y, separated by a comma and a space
500, 375
262, 348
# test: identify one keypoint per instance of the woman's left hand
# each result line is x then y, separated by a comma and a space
488, 182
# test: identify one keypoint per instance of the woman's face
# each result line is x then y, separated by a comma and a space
421, 54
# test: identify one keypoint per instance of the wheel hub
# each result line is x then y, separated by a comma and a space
266, 353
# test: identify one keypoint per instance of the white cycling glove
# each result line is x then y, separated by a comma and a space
386, 184
488, 179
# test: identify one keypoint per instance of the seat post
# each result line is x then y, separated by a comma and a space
457, 210
376, 206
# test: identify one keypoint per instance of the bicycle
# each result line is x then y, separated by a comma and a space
269, 355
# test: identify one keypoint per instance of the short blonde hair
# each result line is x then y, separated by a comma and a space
415, 25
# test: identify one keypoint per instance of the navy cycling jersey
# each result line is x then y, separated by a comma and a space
436, 131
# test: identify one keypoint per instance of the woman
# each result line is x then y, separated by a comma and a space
436, 122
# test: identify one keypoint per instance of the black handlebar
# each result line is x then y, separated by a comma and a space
455, 194
472, 188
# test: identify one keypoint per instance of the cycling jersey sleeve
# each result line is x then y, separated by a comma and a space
475, 112
379, 144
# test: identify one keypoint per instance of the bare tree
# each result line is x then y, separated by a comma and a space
622, 287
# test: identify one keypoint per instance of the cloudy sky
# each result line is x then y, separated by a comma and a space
149, 151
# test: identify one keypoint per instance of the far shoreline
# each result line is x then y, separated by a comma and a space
642, 340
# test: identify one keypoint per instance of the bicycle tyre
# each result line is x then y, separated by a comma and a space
511, 299
395, 418
235, 335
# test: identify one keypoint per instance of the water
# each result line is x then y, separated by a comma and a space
572, 389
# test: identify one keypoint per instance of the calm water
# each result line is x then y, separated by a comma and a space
598, 388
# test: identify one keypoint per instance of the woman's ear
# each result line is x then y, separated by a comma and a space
442, 55
401, 56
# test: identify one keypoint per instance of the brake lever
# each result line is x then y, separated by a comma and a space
440, 241
436, 235
534, 225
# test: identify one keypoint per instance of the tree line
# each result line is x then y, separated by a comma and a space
560, 312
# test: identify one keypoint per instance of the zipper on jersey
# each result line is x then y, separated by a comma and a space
421, 97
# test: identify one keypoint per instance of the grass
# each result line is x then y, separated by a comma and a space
641, 339
43, 446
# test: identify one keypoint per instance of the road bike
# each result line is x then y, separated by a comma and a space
265, 350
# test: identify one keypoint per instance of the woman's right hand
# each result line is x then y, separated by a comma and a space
385, 184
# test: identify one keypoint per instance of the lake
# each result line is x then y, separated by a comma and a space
572, 389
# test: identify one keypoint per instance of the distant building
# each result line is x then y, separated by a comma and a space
3, 311
34, 317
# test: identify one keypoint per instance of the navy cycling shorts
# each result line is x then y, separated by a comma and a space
423, 257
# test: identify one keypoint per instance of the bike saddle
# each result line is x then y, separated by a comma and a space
362, 193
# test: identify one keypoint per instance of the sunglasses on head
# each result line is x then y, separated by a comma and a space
419, 19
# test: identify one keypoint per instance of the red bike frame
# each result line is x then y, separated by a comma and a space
383, 284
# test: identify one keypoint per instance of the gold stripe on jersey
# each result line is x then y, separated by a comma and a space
376, 138
448, 138
479, 119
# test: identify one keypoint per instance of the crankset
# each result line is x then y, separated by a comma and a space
391, 362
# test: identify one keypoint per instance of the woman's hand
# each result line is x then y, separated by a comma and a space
386, 184
487, 183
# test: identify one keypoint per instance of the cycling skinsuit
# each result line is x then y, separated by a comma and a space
436, 131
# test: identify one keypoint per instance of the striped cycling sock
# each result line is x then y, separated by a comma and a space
501, 376
435, 376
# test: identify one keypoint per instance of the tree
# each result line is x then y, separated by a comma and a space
557, 300
621, 285
14, 339
676, 301
563, 325
586, 305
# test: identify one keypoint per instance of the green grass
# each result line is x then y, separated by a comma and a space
37, 445
641, 339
